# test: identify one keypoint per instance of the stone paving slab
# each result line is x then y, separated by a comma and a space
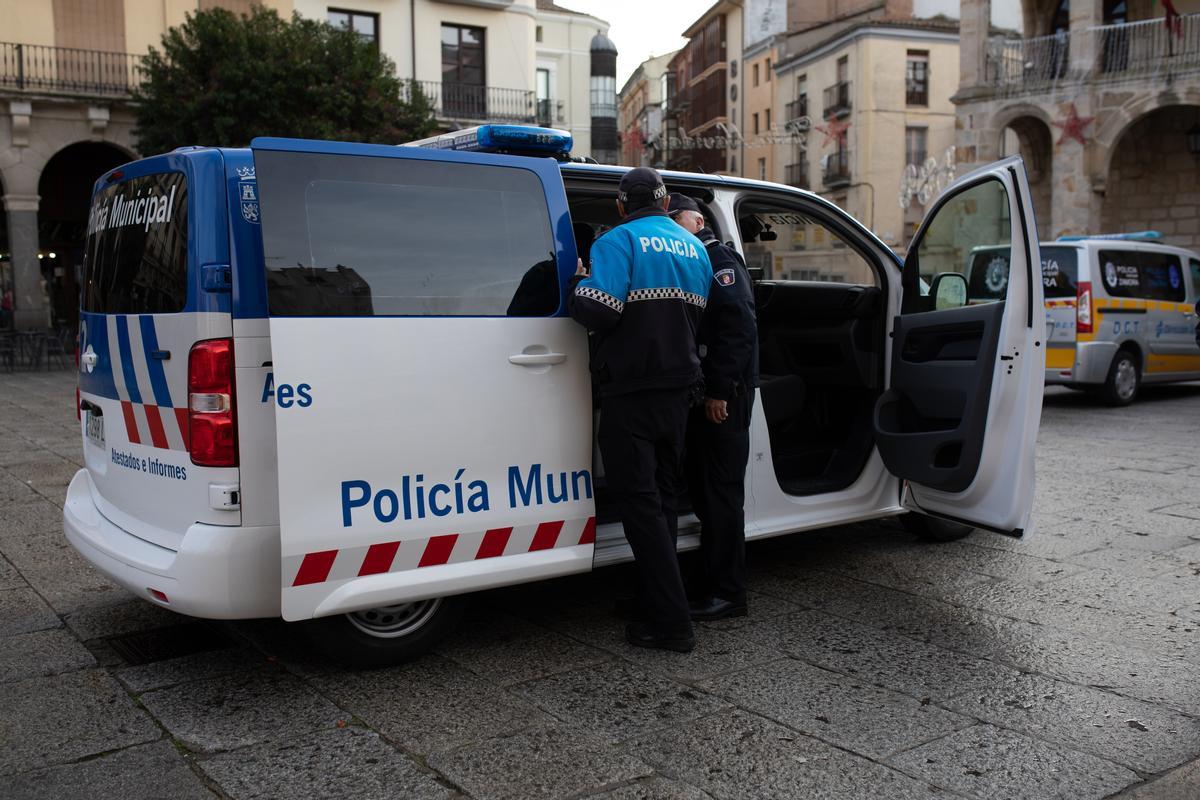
740, 756
146, 772
239, 710
843, 711
1179, 784
347, 762
67, 717
41, 653
989, 762
23, 610
654, 788
538, 764
430, 706
1139, 735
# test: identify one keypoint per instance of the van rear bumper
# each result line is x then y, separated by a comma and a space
217, 572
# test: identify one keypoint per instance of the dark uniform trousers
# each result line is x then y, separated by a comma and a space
717, 455
641, 440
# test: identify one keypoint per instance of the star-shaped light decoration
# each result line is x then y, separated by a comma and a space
1072, 127
834, 131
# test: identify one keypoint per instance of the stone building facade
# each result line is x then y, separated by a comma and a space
1102, 99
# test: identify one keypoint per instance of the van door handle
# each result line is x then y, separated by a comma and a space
537, 359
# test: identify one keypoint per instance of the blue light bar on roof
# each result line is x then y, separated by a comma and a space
1138, 236
515, 139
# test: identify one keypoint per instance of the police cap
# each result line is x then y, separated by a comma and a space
641, 183
681, 202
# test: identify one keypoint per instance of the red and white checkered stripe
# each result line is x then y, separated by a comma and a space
453, 548
165, 428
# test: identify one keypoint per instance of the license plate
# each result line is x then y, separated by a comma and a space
94, 427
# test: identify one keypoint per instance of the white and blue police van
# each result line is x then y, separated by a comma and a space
336, 383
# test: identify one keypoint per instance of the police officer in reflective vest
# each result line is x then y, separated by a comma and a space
718, 436
643, 299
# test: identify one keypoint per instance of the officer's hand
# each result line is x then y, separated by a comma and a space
717, 411
580, 269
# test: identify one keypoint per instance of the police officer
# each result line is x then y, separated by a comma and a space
642, 301
718, 435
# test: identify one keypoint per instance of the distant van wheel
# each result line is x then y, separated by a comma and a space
380, 637
930, 529
1124, 380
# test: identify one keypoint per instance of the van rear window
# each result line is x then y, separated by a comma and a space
989, 273
136, 252
368, 236
1143, 274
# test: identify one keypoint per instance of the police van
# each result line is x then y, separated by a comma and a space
336, 383
1120, 310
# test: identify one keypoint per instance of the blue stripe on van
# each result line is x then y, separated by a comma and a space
158, 377
93, 333
131, 384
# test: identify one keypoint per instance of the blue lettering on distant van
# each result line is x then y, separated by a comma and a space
285, 394
416, 499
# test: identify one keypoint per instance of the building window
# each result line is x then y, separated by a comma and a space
537, 35
364, 24
545, 110
762, 169
917, 78
915, 145
768, 77
754, 117
463, 75
756, 74
767, 126
843, 69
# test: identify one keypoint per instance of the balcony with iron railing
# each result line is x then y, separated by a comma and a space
1146, 50
797, 109
468, 103
40, 69
837, 99
835, 170
796, 175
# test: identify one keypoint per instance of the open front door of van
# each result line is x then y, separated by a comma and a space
432, 399
960, 417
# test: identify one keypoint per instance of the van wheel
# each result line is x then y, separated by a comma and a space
380, 637
930, 529
1123, 381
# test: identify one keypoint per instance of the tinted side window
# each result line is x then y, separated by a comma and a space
1060, 271
1194, 266
364, 236
1147, 275
136, 252
1162, 277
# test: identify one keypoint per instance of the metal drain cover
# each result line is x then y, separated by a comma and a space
160, 644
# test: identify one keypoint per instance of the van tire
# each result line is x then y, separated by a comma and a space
382, 637
931, 529
1124, 379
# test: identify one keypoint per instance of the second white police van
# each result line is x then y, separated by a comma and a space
336, 382
1120, 310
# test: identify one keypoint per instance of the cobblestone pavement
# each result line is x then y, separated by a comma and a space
1064, 665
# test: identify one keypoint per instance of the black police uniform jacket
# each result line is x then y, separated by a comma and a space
643, 301
729, 328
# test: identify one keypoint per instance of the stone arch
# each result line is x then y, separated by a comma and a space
1112, 125
64, 190
1024, 129
1151, 178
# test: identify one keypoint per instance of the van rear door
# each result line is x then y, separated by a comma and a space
960, 417
433, 406
156, 229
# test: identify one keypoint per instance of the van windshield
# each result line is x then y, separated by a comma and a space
370, 236
136, 252
989, 273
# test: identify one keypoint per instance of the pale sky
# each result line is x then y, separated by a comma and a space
645, 28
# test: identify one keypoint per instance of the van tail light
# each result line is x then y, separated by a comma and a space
212, 418
1083, 308
78, 399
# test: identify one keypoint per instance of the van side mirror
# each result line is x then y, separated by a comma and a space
949, 290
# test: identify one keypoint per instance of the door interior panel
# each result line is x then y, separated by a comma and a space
929, 425
820, 373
